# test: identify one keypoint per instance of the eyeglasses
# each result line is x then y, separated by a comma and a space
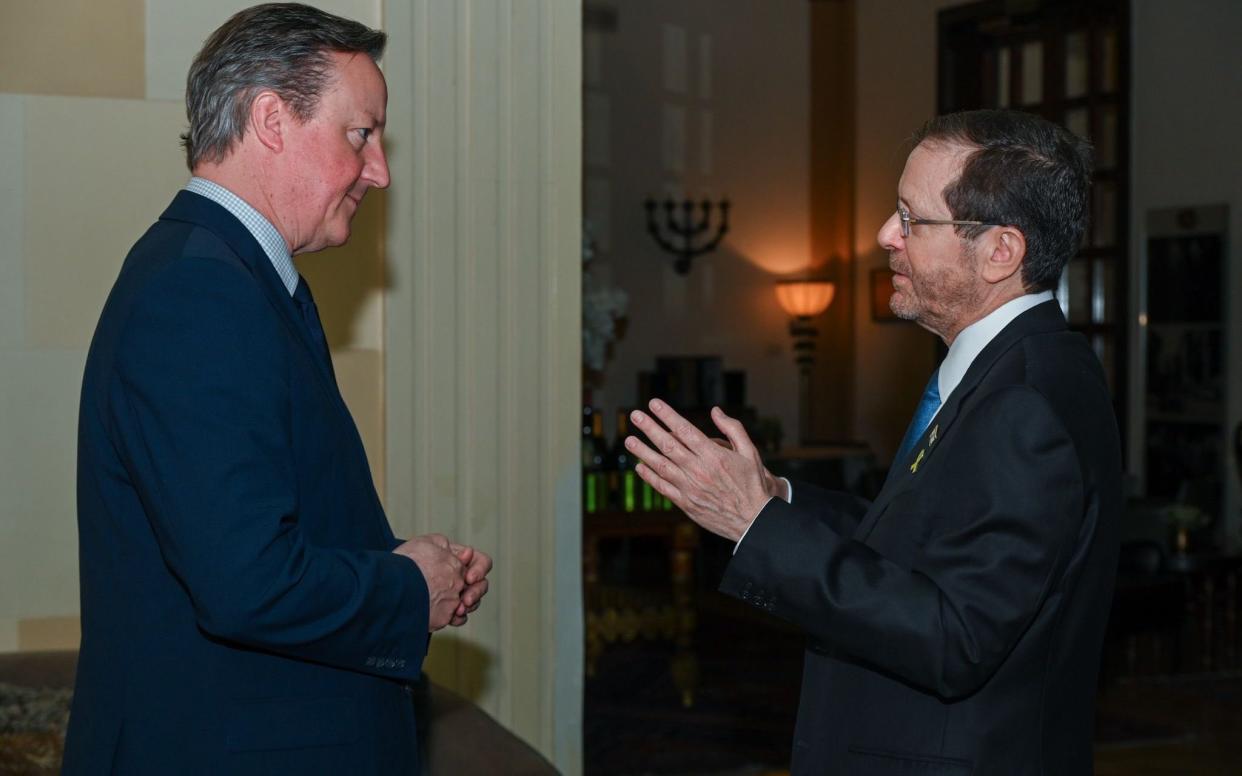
907, 219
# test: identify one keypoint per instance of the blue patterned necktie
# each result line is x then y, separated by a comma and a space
923, 415
310, 316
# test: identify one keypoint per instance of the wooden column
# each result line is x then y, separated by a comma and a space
831, 394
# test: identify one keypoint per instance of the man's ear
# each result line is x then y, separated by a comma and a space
268, 120
1005, 248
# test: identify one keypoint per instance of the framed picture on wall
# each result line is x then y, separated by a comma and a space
881, 292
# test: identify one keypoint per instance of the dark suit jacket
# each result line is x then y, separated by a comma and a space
242, 611
956, 623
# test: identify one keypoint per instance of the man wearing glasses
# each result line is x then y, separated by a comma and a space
955, 623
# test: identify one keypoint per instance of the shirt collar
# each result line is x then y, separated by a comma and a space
975, 337
264, 233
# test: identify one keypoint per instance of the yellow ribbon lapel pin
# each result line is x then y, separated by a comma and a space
914, 467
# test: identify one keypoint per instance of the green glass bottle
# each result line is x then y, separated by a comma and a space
594, 451
623, 480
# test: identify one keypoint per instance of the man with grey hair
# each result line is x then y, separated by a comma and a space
246, 607
954, 623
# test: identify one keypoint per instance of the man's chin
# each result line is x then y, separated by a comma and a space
337, 237
902, 307
328, 241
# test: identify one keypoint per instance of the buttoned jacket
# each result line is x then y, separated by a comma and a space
242, 611
955, 623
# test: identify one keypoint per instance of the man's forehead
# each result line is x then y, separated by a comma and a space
931, 166
940, 155
360, 78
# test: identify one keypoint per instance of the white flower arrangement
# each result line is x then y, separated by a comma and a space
602, 306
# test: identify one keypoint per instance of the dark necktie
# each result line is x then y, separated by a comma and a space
310, 316
923, 415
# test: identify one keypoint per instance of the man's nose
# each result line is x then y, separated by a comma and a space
889, 237
376, 170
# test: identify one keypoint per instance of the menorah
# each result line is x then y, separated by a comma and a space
685, 231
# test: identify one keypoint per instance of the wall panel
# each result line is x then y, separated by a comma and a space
72, 47
482, 334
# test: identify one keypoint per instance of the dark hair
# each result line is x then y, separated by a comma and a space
284, 47
1024, 171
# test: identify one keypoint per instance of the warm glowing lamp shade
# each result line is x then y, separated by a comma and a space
805, 298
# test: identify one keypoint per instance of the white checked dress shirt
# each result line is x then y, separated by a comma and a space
268, 238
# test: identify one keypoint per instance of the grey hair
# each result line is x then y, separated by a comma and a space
282, 47
1022, 171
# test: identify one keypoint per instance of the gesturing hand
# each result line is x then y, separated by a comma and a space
477, 566
442, 569
719, 487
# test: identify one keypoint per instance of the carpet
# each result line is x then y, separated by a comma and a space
32, 729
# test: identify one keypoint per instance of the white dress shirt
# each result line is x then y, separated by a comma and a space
264, 233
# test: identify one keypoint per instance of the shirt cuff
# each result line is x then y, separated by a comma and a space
787, 496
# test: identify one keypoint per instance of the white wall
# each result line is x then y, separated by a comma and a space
746, 78
1186, 125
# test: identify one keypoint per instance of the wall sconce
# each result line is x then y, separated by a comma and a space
679, 234
803, 299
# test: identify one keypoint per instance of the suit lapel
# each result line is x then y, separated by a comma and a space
201, 211
1041, 319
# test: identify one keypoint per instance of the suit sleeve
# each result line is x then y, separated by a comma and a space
200, 408
839, 510
1008, 510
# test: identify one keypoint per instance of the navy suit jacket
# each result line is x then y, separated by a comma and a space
956, 623
242, 611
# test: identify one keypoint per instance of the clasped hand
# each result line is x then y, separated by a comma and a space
456, 577
721, 486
